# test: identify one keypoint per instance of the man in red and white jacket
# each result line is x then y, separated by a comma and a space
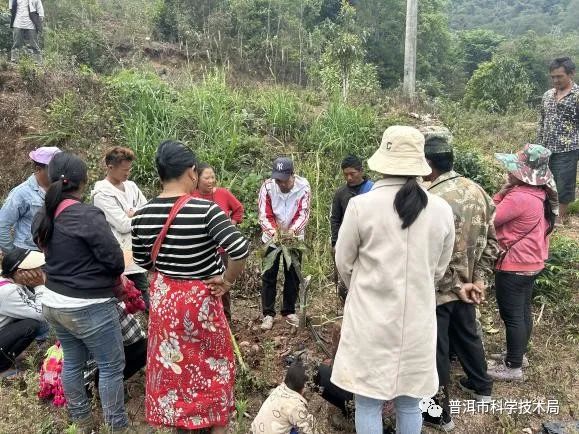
284, 210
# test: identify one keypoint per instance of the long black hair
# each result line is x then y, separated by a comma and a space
67, 173
173, 159
409, 202
550, 216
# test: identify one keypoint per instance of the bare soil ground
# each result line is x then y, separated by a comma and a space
553, 375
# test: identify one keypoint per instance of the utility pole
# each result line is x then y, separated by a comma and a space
409, 86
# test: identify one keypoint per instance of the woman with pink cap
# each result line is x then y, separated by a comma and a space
23, 203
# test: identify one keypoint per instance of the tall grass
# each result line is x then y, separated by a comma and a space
490, 132
212, 117
282, 112
340, 130
240, 133
146, 117
557, 283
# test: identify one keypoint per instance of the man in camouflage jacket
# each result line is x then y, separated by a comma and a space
472, 264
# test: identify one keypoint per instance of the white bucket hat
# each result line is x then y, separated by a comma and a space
401, 153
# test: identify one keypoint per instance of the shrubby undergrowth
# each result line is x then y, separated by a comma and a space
241, 130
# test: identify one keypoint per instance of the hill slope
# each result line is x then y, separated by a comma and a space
515, 16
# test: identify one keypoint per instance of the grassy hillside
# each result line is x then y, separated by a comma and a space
106, 82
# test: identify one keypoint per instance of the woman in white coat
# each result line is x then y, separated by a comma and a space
394, 243
119, 199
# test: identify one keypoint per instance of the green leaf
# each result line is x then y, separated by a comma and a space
287, 256
269, 259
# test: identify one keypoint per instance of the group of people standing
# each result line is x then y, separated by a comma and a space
417, 268
413, 260
63, 260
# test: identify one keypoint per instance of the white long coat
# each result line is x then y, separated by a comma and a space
115, 205
388, 340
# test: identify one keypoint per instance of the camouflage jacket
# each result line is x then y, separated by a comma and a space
475, 246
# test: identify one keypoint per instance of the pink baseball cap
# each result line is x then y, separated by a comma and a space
44, 154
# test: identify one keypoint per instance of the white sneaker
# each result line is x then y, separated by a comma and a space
267, 323
293, 320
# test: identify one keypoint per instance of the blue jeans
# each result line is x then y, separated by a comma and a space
94, 329
43, 331
369, 415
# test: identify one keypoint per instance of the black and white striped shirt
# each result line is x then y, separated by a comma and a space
189, 251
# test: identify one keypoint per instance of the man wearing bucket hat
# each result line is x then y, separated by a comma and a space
21, 319
23, 203
284, 211
395, 242
523, 221
473, 258
559, 129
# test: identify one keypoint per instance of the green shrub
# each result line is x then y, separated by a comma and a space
558, 282
498, 86
63, 116
30, 74
5, 32
165, 22
85, 46
573, 208
474, 166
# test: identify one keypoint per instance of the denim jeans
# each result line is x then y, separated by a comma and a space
94, 329
369, 415
42, 332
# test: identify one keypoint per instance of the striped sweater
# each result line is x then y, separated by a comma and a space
189, 251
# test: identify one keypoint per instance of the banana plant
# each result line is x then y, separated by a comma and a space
291, 250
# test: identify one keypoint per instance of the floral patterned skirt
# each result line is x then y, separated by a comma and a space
190, 361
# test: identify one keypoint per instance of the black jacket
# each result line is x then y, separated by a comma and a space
83, 258
339, 205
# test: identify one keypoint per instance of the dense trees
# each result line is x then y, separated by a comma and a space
513, 17
286, 39
344, 47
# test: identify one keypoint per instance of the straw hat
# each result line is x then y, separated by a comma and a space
401, 153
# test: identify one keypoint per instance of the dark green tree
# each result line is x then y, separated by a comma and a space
477, 46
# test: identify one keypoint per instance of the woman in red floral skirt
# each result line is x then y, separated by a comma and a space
190, 361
